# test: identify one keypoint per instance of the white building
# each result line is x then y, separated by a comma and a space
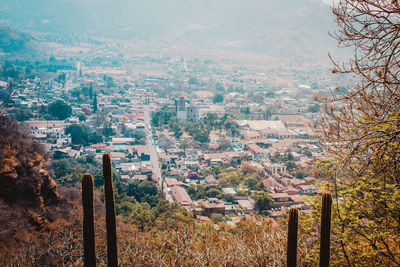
185, 111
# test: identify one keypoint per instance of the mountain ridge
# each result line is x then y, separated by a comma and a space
288, 29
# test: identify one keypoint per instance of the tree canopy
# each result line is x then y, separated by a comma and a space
262, 199
218, 98
60, 109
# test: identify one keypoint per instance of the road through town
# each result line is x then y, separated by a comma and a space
154, 155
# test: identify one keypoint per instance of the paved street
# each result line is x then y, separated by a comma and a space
153, 154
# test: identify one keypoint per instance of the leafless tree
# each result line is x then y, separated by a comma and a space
362, 132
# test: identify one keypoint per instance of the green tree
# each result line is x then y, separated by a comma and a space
94, 103
251, 181
60, 109
213, 192
193, 81
72, 177
162, 116
143, 191
147, 188
22, 114
211, 119
125, 208
314, 108
61, 168
94, 138
88, 159
245, 110
98, 178
218, 98
178, 133
197, 191
107, 130
202, 136
228, 179
258, 98
141, 215
175, 126
225, 144
81, 116
78, 134
91, 91
262, 199
291, 166
231, 126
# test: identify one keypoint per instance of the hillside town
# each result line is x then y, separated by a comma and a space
222, 150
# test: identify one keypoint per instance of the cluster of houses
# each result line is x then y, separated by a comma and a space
258, 141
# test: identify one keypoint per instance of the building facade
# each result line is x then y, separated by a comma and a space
186, 111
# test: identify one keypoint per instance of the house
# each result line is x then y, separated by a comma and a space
191, 155
232, 158
229, 191
170, 182
143, 152
180, 195
117, 156
276, 168
167, 159
259, 125
291, 191
191, 163
146, 170
35, 124
122, 141
271, 183
128, 168
211, 206
100, 147
247, 205
211, 181
257, 152
285, 200
307, 189
281, 199
74, 153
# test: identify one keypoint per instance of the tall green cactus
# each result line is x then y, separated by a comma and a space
325, 230
292, 237
88, 221
110, 212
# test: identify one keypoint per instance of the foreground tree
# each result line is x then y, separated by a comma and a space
362, 134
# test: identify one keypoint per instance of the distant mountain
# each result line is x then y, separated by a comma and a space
12, 41
284, 29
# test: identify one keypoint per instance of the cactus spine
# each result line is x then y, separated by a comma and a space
110, 212
325, 230
88, 221
292, 237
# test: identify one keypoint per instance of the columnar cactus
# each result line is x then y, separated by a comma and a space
88, 221
292, 237
325, 230
110, 212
